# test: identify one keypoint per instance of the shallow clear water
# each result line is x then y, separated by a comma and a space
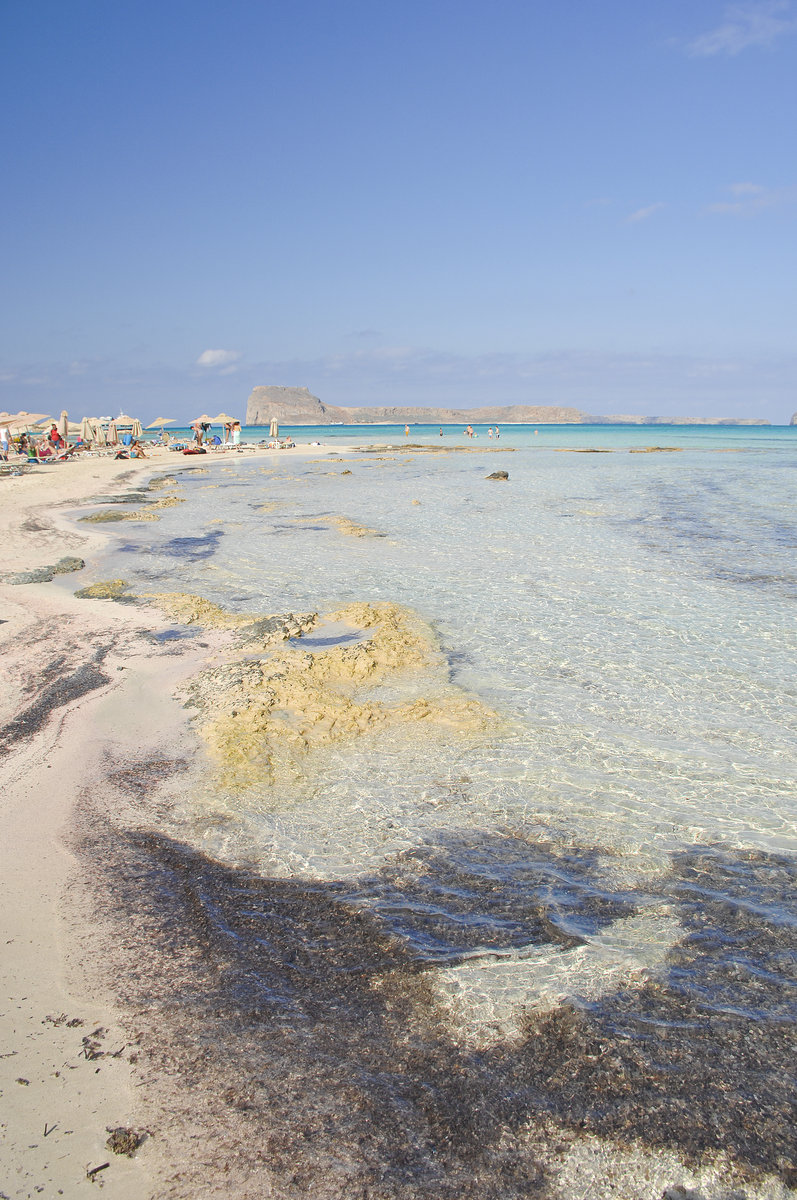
630, 618
631, 615
539, 436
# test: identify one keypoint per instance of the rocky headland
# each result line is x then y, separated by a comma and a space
298, 406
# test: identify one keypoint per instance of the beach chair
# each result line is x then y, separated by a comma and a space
46, 459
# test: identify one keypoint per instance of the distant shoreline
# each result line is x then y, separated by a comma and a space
654, 422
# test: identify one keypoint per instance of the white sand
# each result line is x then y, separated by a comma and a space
56, 1103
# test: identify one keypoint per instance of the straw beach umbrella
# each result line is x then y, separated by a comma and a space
112, 437
26, 420
274, 429
63, 425
136, 430
159, 422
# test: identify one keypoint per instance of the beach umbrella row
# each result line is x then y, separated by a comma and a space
93, 429
221, 418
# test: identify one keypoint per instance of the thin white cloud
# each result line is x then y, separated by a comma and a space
217, 358
746, 25
642, 214
746, 189
751, 198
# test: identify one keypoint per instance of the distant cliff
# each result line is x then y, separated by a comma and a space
625, 419
298, 406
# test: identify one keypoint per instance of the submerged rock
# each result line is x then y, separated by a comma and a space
105, 589
343, 525
64, 566
263, 716
187, 609
499, 475
139, 514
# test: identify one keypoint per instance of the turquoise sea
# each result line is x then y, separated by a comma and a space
540, 436
583, 918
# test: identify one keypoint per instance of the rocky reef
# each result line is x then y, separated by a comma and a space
273, 702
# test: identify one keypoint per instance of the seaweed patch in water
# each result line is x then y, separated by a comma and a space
193, 548
487, 891
311, 1041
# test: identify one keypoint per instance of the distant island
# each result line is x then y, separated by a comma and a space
298, 406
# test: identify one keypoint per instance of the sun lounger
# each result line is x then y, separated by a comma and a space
45, 459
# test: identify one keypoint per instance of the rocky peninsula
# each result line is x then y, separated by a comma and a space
298, 406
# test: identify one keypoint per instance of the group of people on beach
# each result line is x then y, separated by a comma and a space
49, 445
232, 433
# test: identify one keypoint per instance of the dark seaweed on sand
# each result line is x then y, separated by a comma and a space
307, 1046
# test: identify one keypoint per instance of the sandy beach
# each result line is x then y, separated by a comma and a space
86, 695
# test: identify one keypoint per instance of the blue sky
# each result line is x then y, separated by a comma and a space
432, 202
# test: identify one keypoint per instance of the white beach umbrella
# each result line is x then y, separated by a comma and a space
99, 434
274, 429
63, 424
136, 431
112, 437
86, 430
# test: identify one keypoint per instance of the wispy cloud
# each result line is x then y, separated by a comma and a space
747, 199
217, 358
642, 214
746, 25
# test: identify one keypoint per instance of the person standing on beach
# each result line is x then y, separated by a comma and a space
5, 440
